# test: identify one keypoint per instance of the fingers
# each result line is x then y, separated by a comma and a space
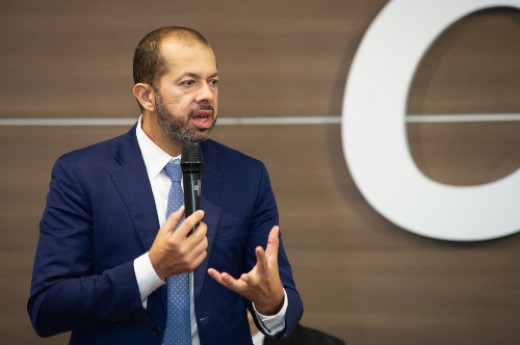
198, 243
251, 279
270, 255
172, 251
217, 276
261, 260
198, 260
273, 242
262, 284
264, 260
226, 280
171, 222
189, 223
193, 248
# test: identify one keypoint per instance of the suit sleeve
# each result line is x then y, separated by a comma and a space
65, 292
265, 217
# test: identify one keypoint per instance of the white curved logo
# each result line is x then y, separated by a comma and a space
374, 131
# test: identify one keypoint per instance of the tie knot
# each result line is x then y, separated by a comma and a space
173, 170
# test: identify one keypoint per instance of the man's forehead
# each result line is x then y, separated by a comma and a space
194, 59
175, 50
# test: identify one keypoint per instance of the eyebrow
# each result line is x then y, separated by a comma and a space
195, 75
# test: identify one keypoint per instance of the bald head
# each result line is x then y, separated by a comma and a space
149, 63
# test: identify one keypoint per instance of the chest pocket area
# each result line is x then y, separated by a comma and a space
232, 226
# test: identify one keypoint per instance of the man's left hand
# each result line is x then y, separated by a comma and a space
262, 285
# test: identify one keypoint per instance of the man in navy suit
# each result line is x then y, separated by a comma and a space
106, 245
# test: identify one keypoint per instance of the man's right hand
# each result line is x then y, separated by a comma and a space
173, 251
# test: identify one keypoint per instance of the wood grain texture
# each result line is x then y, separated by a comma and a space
361, 277
473, 67
73, 59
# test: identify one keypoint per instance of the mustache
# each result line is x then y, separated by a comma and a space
204, 106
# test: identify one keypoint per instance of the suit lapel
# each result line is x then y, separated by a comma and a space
131, 180
211, 202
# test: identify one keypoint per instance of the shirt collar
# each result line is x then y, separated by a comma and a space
154, 157
258, 338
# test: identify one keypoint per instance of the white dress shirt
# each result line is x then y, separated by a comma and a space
258, 338
155, 159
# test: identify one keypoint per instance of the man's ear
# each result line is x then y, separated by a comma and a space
145, 96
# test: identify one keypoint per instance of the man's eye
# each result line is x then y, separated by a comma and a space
213, 82
188, 82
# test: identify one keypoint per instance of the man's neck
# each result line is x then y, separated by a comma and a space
153, 131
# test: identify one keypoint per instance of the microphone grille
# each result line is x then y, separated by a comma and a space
191, 154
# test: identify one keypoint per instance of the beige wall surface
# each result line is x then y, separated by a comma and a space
361, 277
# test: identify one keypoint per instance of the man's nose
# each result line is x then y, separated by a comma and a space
206, 93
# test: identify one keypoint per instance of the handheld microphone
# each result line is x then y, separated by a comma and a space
191, 165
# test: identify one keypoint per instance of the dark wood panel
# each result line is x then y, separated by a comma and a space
473, 67
74, 60
64, 59
467, 153
361, 277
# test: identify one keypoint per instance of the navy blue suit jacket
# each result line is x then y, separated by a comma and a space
100, 215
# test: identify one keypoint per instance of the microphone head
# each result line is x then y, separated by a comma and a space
191, 158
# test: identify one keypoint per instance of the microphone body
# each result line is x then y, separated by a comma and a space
191, 165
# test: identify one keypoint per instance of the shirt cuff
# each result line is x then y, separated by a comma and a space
147, 280
275, 323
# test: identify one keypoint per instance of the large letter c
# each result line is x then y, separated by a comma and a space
374, 131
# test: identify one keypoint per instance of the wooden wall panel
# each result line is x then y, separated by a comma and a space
361, 277
74, 59
473, 67
465, 153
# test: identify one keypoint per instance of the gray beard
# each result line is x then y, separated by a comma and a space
176, 128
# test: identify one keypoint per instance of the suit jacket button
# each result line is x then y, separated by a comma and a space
156, 330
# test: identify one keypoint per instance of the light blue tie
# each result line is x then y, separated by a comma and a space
178, 324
